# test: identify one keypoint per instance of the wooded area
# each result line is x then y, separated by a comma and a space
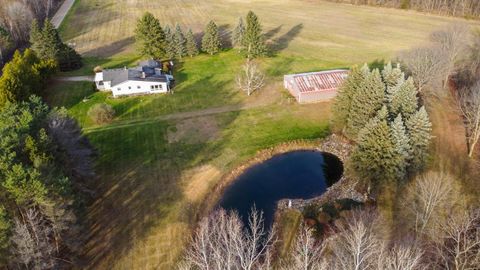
460, 8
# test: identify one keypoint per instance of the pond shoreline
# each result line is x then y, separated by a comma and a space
332, 144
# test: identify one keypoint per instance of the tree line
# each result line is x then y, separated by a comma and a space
159, 42
438, 233
459, 8
15, 19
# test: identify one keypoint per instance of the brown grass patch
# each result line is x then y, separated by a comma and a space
194, 130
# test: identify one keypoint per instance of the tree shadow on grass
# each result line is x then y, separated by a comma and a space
111, 49
281, 43
272, 32
140, 185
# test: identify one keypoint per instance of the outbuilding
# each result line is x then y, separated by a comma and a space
315, 86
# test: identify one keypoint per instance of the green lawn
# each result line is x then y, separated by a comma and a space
157, 162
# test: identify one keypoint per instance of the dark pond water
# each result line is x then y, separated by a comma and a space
293, 175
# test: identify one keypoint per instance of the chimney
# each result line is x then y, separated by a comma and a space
143, 75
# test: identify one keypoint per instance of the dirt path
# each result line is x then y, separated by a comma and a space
175, 116
75, 79
62, 12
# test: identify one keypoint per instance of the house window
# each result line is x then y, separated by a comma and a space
118, 89
138, 86
160, 86
129, 87
151, 87
100, 83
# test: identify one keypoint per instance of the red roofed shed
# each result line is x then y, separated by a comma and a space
315, 86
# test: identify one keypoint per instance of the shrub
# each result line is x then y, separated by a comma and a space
98, 69
101, 113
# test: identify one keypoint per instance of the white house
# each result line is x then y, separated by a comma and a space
147, 78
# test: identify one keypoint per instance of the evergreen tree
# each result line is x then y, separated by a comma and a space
170, 48
375, 158
36, 42
253, 39
19, 79
368, 99
211, 40
402, 145
150, 36
419, 129
344, 98
391, 75
402, 98
238, 34
51, 42
191, 44
180, 42
5, 42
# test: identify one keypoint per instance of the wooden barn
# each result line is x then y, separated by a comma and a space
315, 86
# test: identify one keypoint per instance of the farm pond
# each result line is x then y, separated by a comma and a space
301, 174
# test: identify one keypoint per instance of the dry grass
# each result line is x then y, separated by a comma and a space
308, 30
153, 177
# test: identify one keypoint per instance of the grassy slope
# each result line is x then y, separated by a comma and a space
149, 187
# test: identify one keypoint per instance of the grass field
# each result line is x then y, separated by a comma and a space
163, 154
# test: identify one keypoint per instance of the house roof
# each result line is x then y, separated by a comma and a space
144, 72
318, 81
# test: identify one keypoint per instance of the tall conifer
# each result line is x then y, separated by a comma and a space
238, 34
170, 46
180, 42
419, 129
150, 36
253, 40
402, 145
211, 40
191, 44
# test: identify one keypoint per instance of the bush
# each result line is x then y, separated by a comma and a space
101, 113
98, 69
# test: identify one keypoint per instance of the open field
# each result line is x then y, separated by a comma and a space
163, 154
314, 34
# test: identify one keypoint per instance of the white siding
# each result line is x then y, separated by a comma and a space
139, 87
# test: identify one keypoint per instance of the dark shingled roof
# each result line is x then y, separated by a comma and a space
120, 75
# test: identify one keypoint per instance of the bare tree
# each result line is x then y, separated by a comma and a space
408, 257
460, 248
222, 242
426, 198
425, 65
452, 44
307, 253
250, 78
31, 239
356, 245
469, 103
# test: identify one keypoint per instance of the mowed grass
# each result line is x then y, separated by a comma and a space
151, 189
150, 186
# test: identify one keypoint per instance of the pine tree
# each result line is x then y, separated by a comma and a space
51, 41
211, 41
170, 48
253, 41
150, 36
180, 42
191, 44
402, 145
419, 129
238, 34
375, 158
5, 42
35, 37
392, 75
19, 79
343, 100
368, 99
402, 98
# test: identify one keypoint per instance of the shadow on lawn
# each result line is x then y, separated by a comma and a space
111, 49
140, 188
281, 43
